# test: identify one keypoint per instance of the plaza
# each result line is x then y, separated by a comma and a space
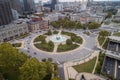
75, 55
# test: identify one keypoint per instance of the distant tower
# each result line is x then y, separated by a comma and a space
83, 4
53, 3
6, 16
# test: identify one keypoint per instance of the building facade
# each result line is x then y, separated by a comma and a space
53, 3
5, 12
37, 25
16, 5
12, 31
29, 6
59, 7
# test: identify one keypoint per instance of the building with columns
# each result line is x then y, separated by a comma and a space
13, 30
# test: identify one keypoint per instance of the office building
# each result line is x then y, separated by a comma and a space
53, 3
5, 12
29, 6
16, 5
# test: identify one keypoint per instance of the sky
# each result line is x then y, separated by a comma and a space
73, 0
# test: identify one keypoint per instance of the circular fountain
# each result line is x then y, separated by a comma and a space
58, 38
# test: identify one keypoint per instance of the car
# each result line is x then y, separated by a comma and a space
35, 53
119, 66
108, 72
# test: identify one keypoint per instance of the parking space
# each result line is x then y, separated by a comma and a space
119, 47
118, 70
112, 46
109, 66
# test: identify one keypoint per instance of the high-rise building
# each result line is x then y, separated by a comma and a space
5, 12
83, 4
53, 3
29, 6
16, 5
59, 7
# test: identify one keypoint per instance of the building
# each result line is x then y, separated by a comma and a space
83, 4
36, 24
53, 3
59, 7
54, 17
29, 6
5, 12
16, 5
13, 30
85, 17
39, 7
117, 16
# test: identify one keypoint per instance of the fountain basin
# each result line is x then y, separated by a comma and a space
58, 38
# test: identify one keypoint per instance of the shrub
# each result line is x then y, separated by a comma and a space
69, 42
55, 32
48, 33
16, 45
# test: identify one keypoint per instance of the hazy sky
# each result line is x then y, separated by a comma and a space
74, 0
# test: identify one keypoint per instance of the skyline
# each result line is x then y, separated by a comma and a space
73, 0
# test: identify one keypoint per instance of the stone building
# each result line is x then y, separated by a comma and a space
13, 30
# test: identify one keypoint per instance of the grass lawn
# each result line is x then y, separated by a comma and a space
117, 34
17, 44
40, 38
86, 67
74, 37
45, 47
65, 47
101, 40
99, 64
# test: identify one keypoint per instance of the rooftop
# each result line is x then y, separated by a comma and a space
114, 38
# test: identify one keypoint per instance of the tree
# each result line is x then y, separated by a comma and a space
79, 25
49, 32
109, 15
32, 69
69, 42
55, 78
10, 60
50, 43
93, 25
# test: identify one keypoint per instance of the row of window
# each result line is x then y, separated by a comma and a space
14, 31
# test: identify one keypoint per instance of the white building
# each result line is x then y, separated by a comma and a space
59, 7
15, 14
83, 4
54, 17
